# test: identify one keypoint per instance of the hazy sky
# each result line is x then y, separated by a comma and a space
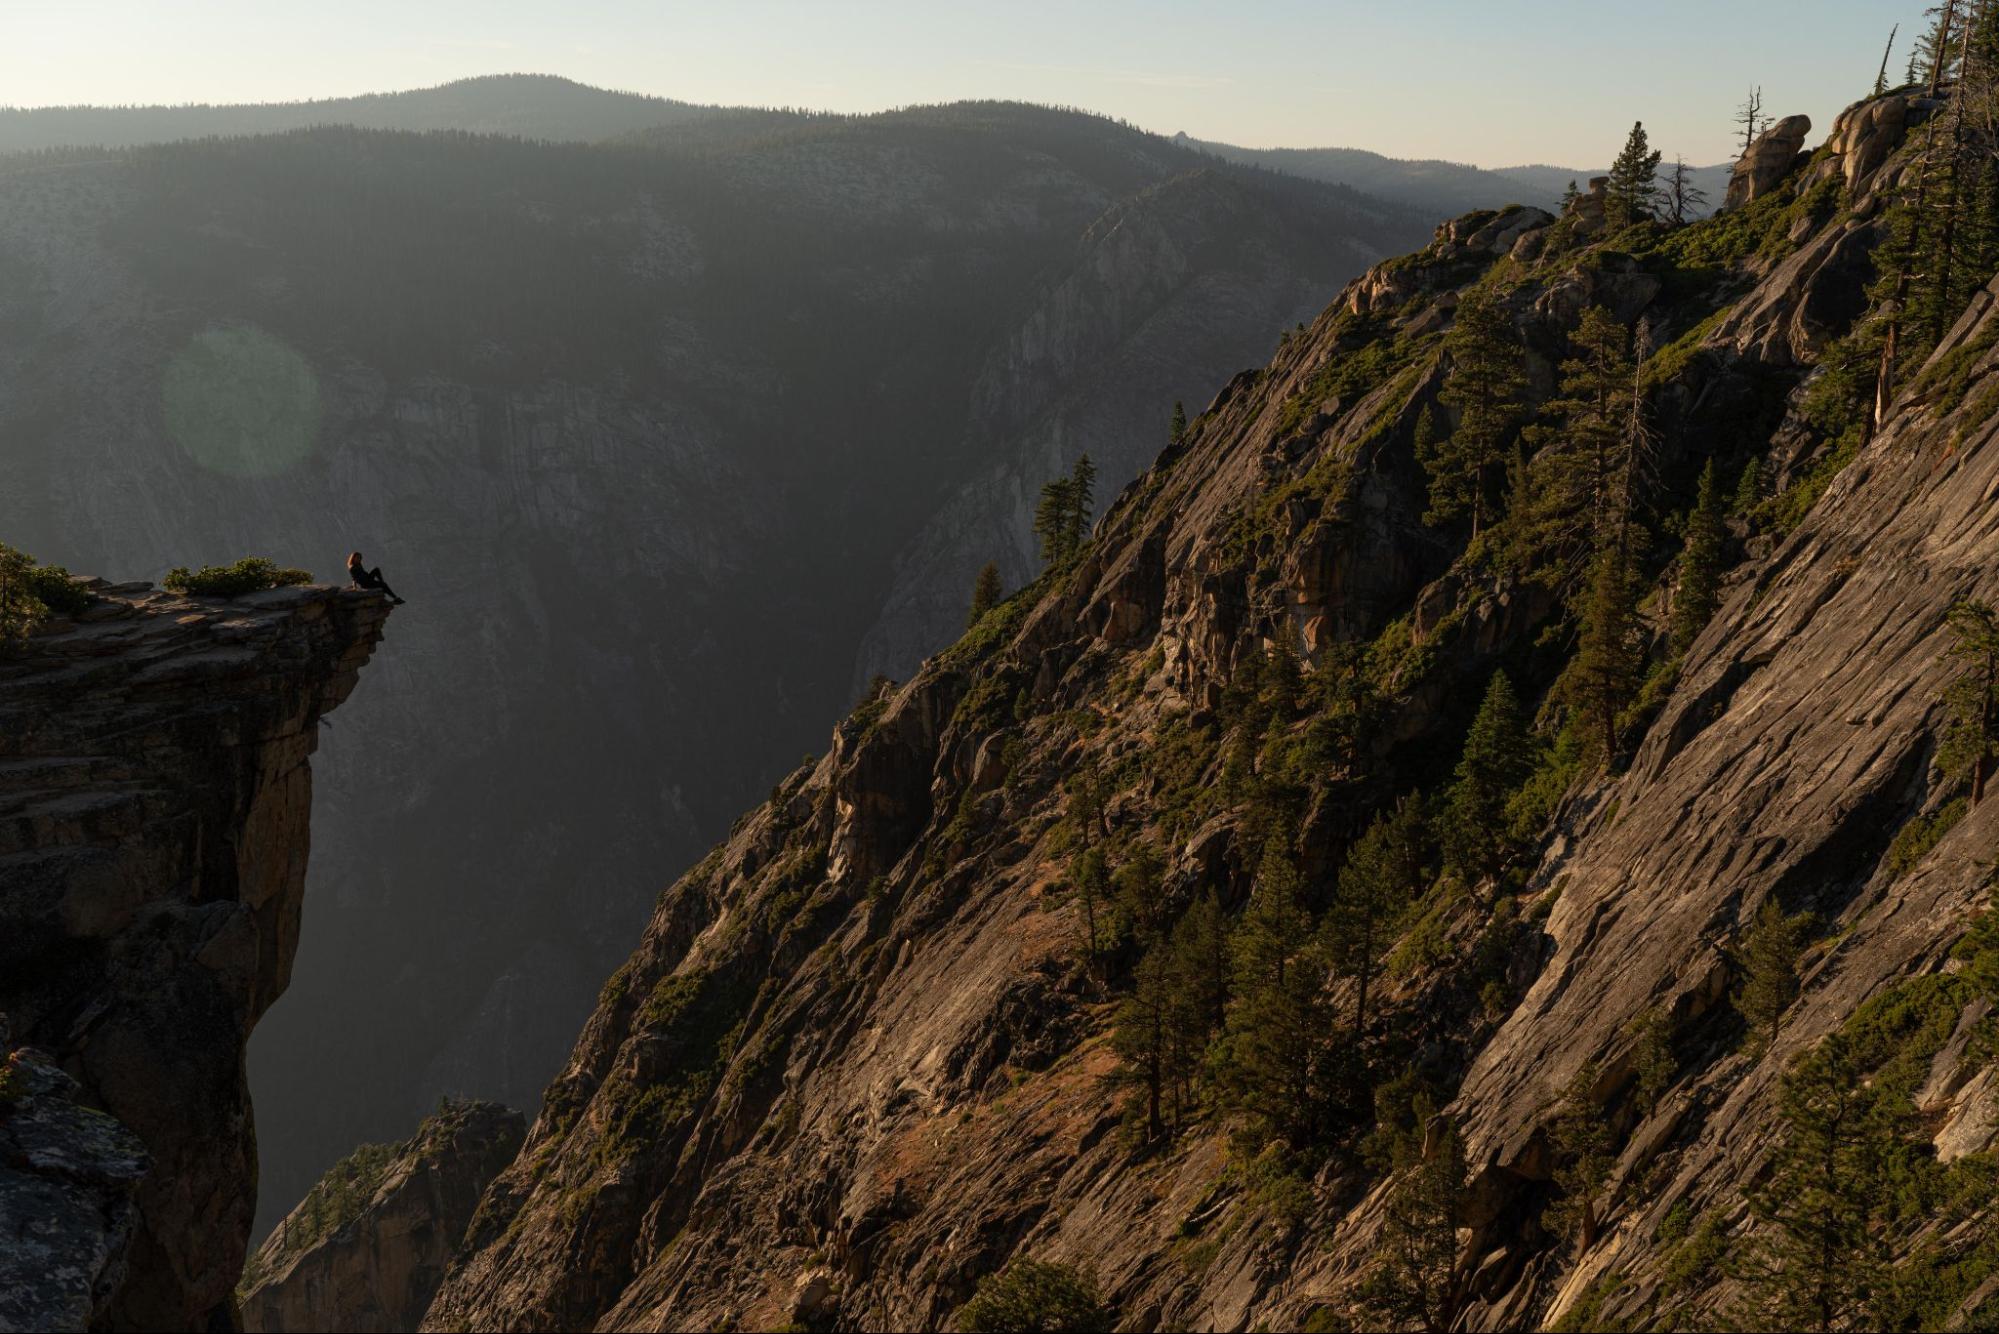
1496, 82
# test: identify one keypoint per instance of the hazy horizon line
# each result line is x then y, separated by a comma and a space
791, 108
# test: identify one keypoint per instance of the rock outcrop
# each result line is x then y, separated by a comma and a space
155, 797
867, 1051
366, 1249
1768, 160
68, 1178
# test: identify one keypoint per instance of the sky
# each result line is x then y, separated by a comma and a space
1495, 82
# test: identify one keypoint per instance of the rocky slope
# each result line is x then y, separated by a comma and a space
367, 1247
68, 1174
859, 1060
155, 797
652, 435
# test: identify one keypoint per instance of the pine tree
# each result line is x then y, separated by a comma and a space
1936, 55
1569, 198
1052, 524
1632, 193
1419, 1279
1496, 760
1142, 1035
1139, 887
1610, 657
1583, 1158
1700, 562
1178, 431
1483, 386
1201, 950
1082, 502
1652, 1058
1683, 199
1971, 737
1575, 476
1822, 1257
1349, 709
987, 593
1382, 876
1093, 883
1768, 960
1283, 678
1279, 1022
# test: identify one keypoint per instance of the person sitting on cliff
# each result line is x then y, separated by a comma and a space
365, 578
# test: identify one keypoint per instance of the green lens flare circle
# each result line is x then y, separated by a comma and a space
241, 403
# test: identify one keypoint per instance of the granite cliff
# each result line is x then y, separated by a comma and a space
155, 802
367, 1247
659, 423
879, 1044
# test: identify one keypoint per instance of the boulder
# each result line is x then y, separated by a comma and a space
69, 1177
1768, 161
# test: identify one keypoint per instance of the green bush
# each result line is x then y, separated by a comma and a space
30, 592
1033, 1297
252, 574
1921, 834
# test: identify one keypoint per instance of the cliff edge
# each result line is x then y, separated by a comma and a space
155, 799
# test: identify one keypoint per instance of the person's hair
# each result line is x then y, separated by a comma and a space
354, 558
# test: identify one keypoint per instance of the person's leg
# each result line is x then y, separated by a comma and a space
375, 578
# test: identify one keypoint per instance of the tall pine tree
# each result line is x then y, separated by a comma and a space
1280, 1021
1610, 658
1576, 475
1821, 1258
1420, 1278
987, 593
1052, 526
1632, 193
1383, 875
1700, 562
1496, 760
1483, 386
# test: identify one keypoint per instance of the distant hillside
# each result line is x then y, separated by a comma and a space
1444, 188
541, 106
532, 106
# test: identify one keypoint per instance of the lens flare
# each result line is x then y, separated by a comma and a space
241, 403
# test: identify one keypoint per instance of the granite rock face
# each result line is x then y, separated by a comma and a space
374, 1265
155, 797
68, 1177
856, 1063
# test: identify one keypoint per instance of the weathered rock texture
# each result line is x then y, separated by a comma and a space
373, 1263
856, 1062
155, 797
68, 1175
1768, 160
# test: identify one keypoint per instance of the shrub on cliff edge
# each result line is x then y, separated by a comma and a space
252, 574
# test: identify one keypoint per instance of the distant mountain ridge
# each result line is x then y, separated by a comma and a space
532, 106
1446, 188
549, 107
